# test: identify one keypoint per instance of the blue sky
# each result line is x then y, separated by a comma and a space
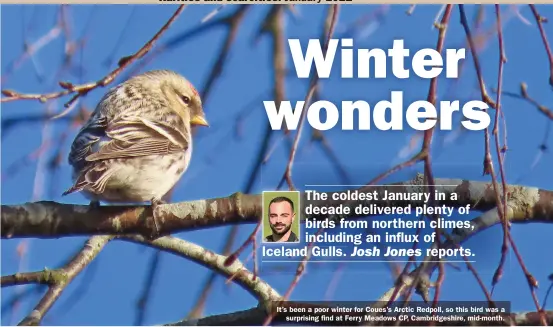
223, 158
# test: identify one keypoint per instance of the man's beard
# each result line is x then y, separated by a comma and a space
280, 233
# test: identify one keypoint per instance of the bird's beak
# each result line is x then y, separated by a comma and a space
199, 120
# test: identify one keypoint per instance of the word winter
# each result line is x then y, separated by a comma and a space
420, 115
419, 63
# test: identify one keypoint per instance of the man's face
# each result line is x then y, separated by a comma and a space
281, 217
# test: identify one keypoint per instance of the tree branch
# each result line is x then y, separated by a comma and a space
57, 279
46, 219
209, 259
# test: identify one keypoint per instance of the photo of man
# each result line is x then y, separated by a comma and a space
280, 222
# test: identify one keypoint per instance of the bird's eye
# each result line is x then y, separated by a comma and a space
185, 99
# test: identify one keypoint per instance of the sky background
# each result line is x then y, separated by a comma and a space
223, 158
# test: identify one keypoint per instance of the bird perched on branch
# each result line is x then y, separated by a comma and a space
137, 143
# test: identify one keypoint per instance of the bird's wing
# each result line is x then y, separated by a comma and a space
136, 137
88, 137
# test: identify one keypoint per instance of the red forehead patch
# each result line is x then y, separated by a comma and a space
193, 89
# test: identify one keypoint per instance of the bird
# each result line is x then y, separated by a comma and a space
137, 143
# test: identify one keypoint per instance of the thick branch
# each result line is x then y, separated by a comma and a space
47, 219
53, 220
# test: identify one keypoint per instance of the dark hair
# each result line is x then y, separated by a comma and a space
282, 199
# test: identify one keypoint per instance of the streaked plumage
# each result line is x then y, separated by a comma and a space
137, 143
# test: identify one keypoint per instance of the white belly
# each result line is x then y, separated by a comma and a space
143, 178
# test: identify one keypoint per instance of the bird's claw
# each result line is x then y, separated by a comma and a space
156, 230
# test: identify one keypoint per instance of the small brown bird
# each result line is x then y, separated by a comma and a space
137, 143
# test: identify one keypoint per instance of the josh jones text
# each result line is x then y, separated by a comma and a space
336, 251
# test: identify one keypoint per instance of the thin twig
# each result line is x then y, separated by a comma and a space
503, 200
312, 86
56, 279
145, 295
540, 20
83, 89
485, 97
